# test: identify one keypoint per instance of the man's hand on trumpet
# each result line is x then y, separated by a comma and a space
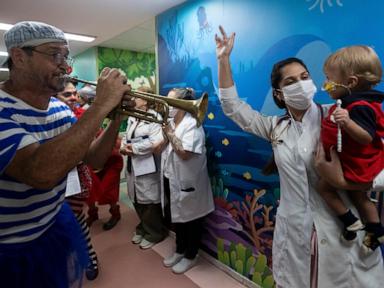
112, 90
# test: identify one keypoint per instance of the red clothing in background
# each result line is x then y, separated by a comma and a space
106, 183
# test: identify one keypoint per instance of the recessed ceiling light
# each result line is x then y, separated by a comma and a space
70, 36
80, 38
3, 53
4, 69
4, 26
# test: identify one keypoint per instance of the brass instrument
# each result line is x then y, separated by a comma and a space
197, 108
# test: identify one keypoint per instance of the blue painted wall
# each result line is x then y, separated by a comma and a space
266, 31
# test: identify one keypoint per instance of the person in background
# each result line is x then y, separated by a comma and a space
144, 185
86, 96
106, 181
186, 184
351, 73
70, 95
77, 201
41, 143
306, 248
105, 189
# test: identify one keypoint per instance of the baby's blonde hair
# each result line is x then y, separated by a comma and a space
360, 61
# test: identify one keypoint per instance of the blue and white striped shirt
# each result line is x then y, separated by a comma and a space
26, 212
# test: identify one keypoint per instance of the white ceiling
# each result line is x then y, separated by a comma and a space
123, 24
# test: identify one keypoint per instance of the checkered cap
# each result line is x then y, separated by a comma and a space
29, 33
87, 92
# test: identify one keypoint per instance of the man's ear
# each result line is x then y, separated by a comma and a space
18, 56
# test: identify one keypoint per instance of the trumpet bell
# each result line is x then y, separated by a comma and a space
197, 108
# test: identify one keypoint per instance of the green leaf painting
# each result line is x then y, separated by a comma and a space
139, 67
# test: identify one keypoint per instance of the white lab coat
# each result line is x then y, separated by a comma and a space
191, 174
301, 208
147, 187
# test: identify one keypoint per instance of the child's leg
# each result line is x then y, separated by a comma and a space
331, 197
374, 230
367, 209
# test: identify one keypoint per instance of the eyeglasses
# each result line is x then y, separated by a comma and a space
69, 94
58, 57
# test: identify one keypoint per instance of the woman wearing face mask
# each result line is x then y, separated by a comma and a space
306, 249
186, 184
143, 175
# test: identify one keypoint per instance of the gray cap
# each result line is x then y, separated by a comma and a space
87, 92
30, 34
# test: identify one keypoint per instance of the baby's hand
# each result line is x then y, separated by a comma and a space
341, 117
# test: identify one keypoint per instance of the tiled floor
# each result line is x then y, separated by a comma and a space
123, 264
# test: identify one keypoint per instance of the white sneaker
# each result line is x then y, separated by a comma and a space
184, 265
173, 259
145, 244
356, 226
136, 239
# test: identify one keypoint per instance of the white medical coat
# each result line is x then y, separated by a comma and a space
146, 187
301, 208
190, 189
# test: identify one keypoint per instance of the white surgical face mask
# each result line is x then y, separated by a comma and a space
172, 112
299, 95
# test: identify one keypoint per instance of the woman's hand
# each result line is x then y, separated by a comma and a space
332, 171
126, 150
224, 44
168, 130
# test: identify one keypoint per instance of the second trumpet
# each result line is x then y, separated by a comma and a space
197, 108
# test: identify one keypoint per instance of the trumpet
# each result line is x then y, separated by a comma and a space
197, 108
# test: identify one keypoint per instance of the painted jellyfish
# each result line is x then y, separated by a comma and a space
320, 3
204, 26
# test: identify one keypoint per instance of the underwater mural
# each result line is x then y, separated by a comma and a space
239, 233
139, 67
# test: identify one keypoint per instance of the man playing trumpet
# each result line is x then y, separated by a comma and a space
40, 144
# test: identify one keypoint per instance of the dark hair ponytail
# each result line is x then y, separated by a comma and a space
271, 167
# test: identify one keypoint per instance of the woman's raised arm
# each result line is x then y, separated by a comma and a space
224, 47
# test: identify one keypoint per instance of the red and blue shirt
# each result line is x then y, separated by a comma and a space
360, 162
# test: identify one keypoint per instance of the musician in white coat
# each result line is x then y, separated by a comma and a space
307, 251
143, 175
185, 178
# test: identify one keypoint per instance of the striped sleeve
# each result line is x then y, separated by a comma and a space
12, 138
